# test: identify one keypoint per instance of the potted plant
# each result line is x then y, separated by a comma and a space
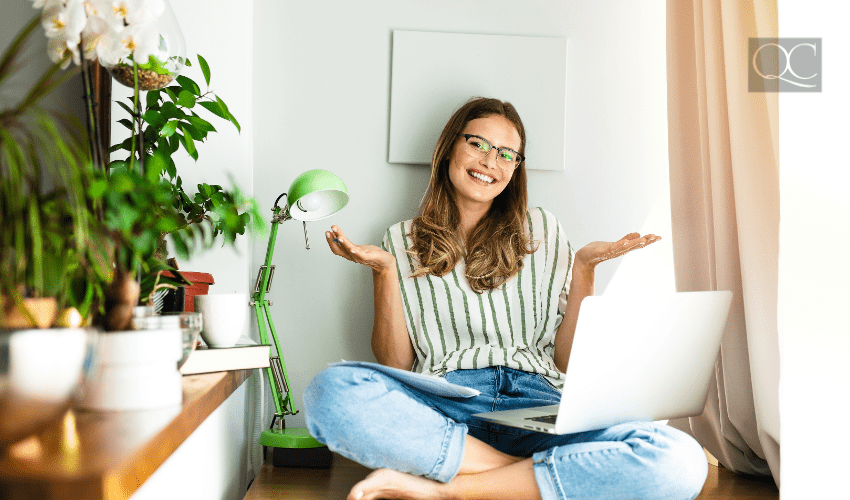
125, 208
170, 121
50, 257
142, 47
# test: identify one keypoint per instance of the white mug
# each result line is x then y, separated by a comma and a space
224, 317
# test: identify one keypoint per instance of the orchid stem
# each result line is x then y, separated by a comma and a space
91, 122
138, 117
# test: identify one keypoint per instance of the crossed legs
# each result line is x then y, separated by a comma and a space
422, 448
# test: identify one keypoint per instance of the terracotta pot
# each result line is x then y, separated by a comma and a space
43, 310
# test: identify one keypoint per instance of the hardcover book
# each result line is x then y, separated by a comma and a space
207, 359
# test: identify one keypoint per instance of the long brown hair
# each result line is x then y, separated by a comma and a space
499, 242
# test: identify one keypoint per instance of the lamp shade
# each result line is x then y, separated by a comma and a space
316, 194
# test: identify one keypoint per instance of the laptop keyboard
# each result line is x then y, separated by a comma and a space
547, 419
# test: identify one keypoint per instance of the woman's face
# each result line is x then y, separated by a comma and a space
477, 181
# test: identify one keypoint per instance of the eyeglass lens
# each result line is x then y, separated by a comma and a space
480, 147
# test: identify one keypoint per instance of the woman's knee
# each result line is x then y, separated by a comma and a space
682, 464
331, 395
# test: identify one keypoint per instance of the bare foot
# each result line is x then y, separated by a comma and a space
390, 484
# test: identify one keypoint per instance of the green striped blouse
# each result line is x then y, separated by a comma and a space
452, 327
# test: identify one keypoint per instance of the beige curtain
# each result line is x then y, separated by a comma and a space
724, 184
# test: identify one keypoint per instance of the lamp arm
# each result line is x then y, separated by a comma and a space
283, 405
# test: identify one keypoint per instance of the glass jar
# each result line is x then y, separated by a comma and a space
162, 38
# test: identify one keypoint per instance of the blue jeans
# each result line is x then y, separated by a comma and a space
379, 422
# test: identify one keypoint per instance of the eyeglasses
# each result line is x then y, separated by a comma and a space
479, 147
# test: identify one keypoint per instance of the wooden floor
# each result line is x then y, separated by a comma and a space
322, 484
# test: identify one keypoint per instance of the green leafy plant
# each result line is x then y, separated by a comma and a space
50, 243
167, 121
81, 235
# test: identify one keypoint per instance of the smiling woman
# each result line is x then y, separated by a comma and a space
485, 292
476, 190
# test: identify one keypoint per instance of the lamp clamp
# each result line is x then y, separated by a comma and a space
281, 216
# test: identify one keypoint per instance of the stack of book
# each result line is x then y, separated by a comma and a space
207, 359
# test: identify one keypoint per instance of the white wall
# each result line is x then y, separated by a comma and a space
321, 94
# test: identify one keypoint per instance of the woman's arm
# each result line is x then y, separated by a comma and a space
582, 285
390, 340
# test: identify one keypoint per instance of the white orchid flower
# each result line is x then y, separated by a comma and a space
143, 11
110, 50
112, 11
58, 48
97, 8
64, 21
119, 13
141, 40
94, 35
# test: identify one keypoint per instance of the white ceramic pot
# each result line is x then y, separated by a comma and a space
224, 317
40, 371
135, 370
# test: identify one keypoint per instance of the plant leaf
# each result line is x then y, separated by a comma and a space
200, 124
154, 166
196, 134
186, 99
170, 167
170, 111
214, 108
152, 98
189, 84
126, 145
180, 246
169, 128
188, 143
228, 113
98, 188
122, 183
205, 68
126, 107
155, 118
117, 164
171, 91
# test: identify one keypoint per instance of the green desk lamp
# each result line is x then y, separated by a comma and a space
313, 195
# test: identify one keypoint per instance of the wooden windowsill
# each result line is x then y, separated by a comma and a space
108, 455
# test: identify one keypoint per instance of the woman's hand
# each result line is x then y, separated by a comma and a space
599, 251
368, 255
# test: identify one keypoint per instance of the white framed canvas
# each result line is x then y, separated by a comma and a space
433, 74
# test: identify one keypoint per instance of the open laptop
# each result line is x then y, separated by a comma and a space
634, 358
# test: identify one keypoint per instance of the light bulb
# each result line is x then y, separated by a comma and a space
310, 202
